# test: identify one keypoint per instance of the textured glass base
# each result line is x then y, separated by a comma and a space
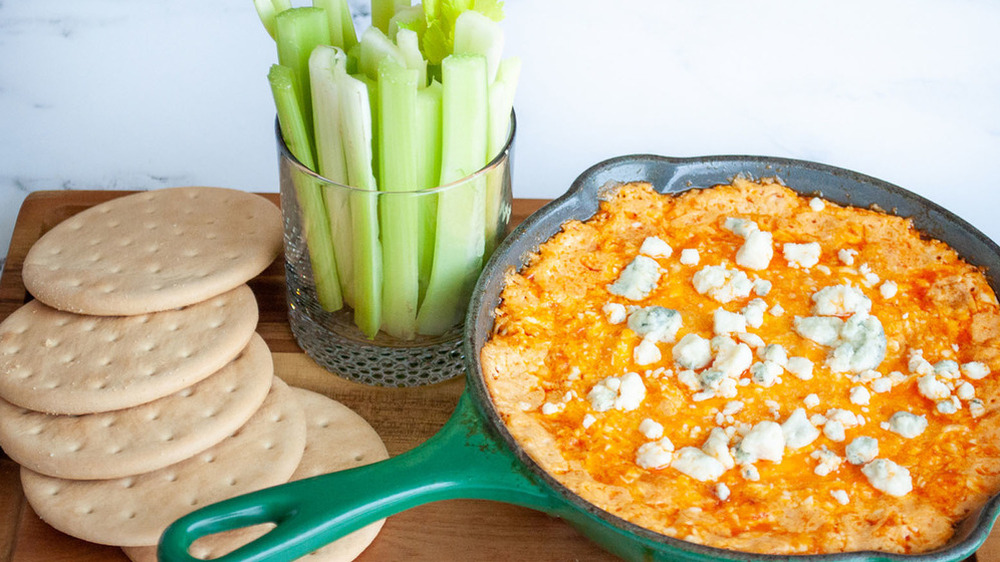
335, 343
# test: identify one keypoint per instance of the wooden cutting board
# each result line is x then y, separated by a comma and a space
450, 530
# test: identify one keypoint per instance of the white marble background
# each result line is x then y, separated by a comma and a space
120, 94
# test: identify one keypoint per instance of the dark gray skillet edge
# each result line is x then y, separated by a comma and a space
668, 174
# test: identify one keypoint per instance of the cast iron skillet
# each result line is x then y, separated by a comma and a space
473, 456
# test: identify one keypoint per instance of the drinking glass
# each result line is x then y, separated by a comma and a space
382, 232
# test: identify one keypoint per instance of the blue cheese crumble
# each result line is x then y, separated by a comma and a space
975, 370
637, 280
615, 312
646, 353
862, 450
756, 251
689, 256
828, 461
888, 477
824, 330
651, 428
692, 352
655, 323
765, 441
907, 424
655, 454
725, 322
840, 300
619, 393
695, 463
862, 345
801, 255
655, 247
859, 344
798, 431
722, 284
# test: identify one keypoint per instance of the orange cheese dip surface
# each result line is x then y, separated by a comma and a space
751, 369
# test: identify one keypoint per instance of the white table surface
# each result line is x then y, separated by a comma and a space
114, 94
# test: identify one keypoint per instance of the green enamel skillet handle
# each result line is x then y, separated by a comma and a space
461, 461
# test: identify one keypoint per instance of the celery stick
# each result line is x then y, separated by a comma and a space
428, 172
464, 109
352, 59
383, 10
357, 119
267, 9
315, 222
299, 31
398, 218
325, 65
372, 86
338, 15
349, 33
411, 18
374, 47
478, 34
294, 130
429, 132
459, 241
356, 128
409, 45
501, 104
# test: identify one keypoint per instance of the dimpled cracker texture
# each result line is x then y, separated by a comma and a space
64, 363
146, 437
154, 251
336, 439
135, 510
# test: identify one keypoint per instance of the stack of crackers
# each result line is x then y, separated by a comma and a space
134, 388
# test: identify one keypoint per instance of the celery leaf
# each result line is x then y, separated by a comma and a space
439, 38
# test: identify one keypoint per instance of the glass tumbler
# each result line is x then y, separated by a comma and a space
402, 262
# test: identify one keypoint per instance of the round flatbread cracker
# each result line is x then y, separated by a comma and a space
63, 363
336, 439
153, 251
135, 510
144, 438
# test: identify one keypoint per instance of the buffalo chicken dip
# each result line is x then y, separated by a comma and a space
752, 369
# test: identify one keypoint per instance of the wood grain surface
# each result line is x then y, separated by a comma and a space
449, 530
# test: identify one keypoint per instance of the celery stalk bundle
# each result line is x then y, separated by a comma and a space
421, 99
